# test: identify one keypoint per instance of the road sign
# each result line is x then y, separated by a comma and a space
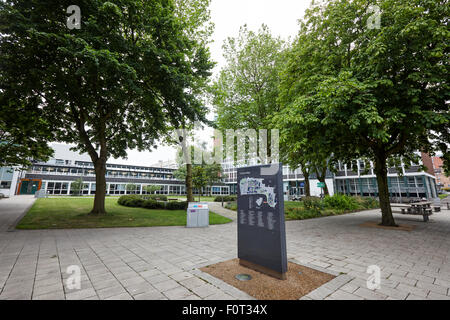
321, 184
261, 228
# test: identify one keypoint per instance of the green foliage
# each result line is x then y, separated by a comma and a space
151, 202
152, 189
134, 70
313, 203
176, 205
225, 198
24, 131
357, 92
131, 200
341, 201
156, 197
244, 95
130, 187
199, 177
77, 186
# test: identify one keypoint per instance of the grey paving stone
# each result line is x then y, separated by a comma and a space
80, 294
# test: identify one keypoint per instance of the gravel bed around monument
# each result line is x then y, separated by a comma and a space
300, 280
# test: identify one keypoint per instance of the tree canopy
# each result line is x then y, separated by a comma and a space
130, 71
356, 91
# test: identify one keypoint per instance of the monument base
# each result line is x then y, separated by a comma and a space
262, 269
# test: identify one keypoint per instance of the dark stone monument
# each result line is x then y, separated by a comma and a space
261, 228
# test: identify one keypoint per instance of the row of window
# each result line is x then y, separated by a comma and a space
57, 188
112, 174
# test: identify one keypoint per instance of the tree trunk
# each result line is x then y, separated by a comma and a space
100, 187
321, 177
387, 219
307, 188
189, 194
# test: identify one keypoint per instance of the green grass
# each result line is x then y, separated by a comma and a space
53, 213
443, 196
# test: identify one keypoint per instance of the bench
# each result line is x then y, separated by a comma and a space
172, 199
422, 209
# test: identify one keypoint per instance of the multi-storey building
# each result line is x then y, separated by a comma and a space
356, 179
57, 175
410, 183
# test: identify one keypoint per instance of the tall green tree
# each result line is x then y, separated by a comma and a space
245, 93
199, 179
379, 93
119, 82
23, 131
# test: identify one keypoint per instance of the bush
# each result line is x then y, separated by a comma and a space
312, 203
341, 201
152, 204
177, 205
130, 200
133, 200
225, 198
155, 197
368, 202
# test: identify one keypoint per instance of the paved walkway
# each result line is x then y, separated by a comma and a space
216, 207
12, 209
163, 262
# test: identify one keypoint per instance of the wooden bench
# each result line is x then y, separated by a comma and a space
420, 208
172, 199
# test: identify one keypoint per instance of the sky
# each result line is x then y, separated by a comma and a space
281, 16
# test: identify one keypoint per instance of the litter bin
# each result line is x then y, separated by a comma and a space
197, 215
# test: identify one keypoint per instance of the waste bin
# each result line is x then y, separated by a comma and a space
197, 215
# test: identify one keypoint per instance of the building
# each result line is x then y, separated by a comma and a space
358, 179
57, 175
442, 181
9, 177
411, 183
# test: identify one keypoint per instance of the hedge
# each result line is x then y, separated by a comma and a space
148, 202
225, 198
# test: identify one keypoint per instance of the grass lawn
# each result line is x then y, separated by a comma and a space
67, 213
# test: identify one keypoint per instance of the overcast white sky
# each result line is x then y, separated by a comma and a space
281, 16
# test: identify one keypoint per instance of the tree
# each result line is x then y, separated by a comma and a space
378, 93
199, 179
21, 139
131, 188
77, 187
151, 189
119, 82
245, 94
214, 174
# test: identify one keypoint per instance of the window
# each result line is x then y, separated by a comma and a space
5, 184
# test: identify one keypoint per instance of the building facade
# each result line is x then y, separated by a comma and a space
56, 176
442, 181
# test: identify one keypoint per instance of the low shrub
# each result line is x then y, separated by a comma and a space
225, 198
313, 203
152, 204
156, 197
132, 200
177, 205
367, 202
341, 201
